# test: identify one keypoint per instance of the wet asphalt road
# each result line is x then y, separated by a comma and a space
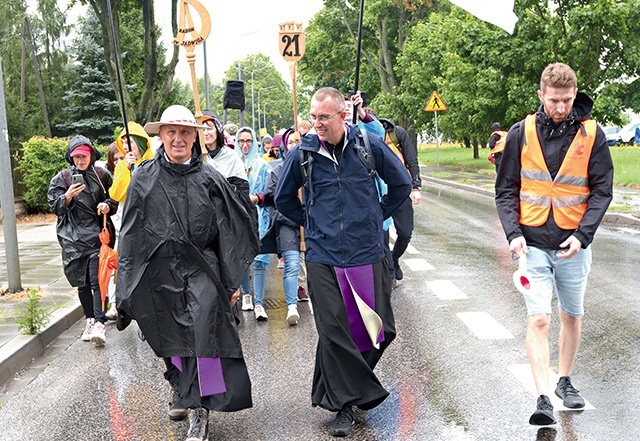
447, 379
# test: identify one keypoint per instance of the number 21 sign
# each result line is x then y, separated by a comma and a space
292, 44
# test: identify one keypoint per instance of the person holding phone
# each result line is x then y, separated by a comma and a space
79, 196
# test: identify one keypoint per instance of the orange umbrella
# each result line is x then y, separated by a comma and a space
107, 262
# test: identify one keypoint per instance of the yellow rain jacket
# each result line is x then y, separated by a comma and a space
122, 175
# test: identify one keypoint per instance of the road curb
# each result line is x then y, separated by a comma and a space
465, 187
20, 350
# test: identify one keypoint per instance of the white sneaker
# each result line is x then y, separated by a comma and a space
292, 315
88, 330
99, 334
112, 313
260, 314
247, 302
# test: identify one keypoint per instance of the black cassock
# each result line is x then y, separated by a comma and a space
343, 374
185, 243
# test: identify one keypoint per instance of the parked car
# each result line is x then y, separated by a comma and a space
627, 134
612, 134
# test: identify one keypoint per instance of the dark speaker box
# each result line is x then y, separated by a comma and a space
234, 95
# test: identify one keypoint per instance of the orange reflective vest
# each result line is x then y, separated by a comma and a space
568, 192
499, 147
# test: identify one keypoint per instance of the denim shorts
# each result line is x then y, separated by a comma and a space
568, 275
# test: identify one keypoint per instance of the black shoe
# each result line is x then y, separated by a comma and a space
343, 422
176, 413
398, 270
543, 416
568, 394
198, 425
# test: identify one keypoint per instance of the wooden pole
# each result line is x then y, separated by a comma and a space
292, 47
186, 26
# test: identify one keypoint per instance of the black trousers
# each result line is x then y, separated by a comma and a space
89, 295
403, 221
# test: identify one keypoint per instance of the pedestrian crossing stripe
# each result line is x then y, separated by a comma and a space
446, 290
435, 103
484, 326
418, 265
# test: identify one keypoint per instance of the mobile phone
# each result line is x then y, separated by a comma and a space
77, 179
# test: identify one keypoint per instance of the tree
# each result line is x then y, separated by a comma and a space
153, 86
332, 41
91, 107
274, 92
485, 75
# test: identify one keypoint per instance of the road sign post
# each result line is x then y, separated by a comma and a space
435, 105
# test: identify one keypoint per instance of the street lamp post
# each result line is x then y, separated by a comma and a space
253, 112
260, 90
264, 113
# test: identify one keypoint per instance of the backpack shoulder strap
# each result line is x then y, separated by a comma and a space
363, 147
306, 166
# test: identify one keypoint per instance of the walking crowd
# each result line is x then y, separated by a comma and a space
197, 215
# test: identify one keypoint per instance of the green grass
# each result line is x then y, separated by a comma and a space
454, 155
626, 161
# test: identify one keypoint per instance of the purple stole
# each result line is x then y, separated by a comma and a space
358, 293
209, 375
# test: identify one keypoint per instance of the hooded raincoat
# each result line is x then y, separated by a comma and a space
79, 225
122, 174
257, 170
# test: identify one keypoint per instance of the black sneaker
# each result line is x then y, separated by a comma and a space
343, 422
198, 425
543, 416
398, 270
568, 394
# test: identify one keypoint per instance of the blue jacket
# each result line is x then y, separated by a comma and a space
343, 227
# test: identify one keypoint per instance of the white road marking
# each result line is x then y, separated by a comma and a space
484, 326
418, 264
523, 374
446, 290
394, 236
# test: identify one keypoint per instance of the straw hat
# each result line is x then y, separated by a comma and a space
175, 115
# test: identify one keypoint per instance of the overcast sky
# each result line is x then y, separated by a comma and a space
238, 28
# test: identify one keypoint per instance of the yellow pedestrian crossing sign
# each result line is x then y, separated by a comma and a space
435, 103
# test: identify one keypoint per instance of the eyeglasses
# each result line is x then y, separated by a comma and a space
245, 141
323, 118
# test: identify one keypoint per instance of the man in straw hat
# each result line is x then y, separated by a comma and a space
187, 240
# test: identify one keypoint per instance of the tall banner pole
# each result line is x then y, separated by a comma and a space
189, 38
358, 50
292, 46
116, 57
